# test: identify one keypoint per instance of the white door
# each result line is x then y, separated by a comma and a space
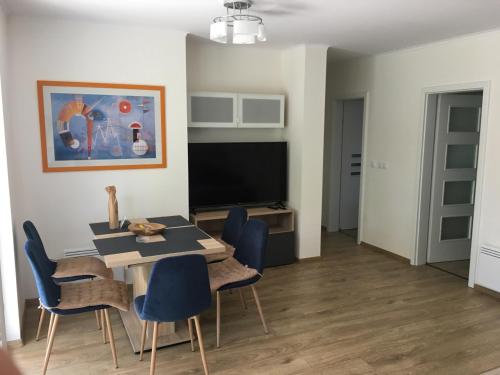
454, 177
352, 131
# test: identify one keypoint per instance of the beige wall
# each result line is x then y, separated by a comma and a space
304, 69
62, 204
300, 74
228, 68
395, 82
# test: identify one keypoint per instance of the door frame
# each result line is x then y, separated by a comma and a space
429, 98
334, 158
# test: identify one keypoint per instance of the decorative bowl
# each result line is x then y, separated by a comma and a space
146, 229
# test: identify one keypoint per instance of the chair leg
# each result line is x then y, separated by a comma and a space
103, 320
40, 322
111, 337
55, 320
242, 298
51, 323
257, 302
98, 320
190, 327
153, 348
218, 319
200, 341
143, 339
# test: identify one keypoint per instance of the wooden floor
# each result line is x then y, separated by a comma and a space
354, 311
457, 267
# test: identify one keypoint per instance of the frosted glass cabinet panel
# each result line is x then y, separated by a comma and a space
212, 110
261, 111
233, 110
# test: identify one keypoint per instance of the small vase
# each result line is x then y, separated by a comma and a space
112, 207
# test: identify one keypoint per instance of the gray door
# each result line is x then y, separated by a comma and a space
352, 131
454, 177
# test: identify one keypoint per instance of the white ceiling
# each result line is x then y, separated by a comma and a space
359, 26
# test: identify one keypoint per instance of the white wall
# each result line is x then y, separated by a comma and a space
229, 68
62, 204
395, 82
304, 69
7, 253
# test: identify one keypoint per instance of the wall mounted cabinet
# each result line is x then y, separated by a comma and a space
212, 110
261, 111
230, 110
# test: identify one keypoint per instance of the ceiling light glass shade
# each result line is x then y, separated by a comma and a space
245, 27
261, 33
237, 24
243, 39
218, 32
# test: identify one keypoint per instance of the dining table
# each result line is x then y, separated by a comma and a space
122, 248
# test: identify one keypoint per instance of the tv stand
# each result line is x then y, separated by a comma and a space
281, 242
277, 206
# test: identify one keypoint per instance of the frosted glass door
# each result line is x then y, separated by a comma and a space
454, 177
261, 111
212, 110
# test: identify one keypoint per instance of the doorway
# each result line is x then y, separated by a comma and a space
453, 125
350, 170
344, 144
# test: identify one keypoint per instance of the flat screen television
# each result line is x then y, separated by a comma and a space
226, 174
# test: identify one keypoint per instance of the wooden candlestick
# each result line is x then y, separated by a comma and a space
112, 207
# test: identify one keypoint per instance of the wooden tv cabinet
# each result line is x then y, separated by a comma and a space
281, 242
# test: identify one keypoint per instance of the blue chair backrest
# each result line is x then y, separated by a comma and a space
32, 234
48, 290
236, 219
251, 247
178, 288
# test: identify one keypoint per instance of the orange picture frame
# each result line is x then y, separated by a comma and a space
125, 123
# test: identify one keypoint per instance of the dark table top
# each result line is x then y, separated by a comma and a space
180, 237
169, 221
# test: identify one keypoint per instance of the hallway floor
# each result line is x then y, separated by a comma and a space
458, 268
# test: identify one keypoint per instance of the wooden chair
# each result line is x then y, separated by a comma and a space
68, 270
178, 289
243, 269
73, 298
236, 219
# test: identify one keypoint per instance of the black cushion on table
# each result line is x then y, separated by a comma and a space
103, 228
177, 240
169, 221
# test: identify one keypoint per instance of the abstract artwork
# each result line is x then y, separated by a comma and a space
92, 126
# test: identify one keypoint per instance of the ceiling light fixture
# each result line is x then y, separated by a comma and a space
247, 28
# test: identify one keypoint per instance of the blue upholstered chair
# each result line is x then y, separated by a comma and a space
244, 269
75, 299
178, 289
236, 219
82, 268
233, 225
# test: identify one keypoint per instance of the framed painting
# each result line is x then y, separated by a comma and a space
99, 126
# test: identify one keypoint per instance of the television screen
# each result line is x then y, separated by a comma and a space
223, 174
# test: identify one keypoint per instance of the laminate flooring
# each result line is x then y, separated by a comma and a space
352, 311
